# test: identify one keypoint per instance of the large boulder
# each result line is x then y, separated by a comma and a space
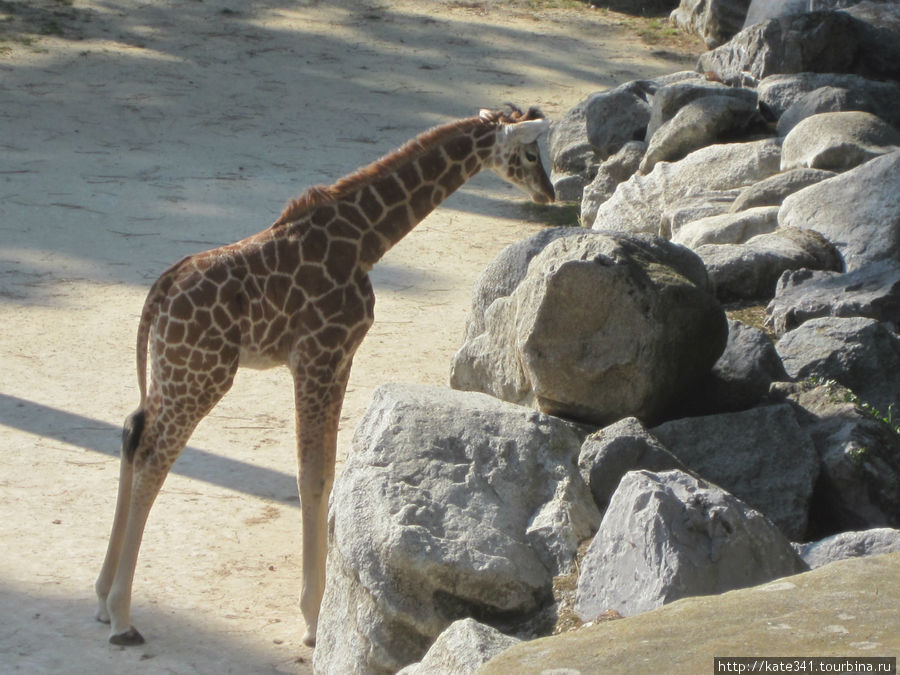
823, 42
837, 141
848, 609
750, 271
872, 291
713, 20
589, 333
670, 535
727, 228
641, 203
614, 170
838, 99
845, 545
778, 93
450, 505
762, 456
773, 190
856, 211
860, 353
859, 482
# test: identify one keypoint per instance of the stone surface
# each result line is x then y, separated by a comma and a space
705, 121
667, 536
640, 203
762, 456
727, 228
613, 451
773, 190
777, 93
872, 291
859, 484
822, 42
860, 353
845, 609
620, 115
751, 270
450, 505
837, 141
461, 649
614, 170
876, 541
853, 210
589, 332
713, 20
836, 99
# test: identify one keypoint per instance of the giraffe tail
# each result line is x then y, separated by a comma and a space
134, 424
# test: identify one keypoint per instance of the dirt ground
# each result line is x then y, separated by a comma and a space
135, 132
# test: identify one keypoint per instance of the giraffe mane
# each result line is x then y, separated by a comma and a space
325, 194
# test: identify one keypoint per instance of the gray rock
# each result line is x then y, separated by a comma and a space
750, 271
834, 99
777, 93
568, 187
728, 228
859, 353
854, 211
701, 122
610, 453
695, 206
741, 377
879, 30
849, 545
837, 141
461, 649
639, 204
713, 20
859, 482
668, 100
872, 291
570, 151
504, 273
773, 190
450, 504
590, 331
614, 170
668, 536
824, 42
761, 456
763, 10
620, 115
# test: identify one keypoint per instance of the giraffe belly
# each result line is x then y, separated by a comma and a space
257, 360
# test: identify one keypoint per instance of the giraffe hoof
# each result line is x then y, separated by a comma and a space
309, 639
127, 639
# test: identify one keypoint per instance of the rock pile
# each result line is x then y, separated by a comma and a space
608, 424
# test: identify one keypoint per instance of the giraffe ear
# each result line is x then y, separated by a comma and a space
526, 132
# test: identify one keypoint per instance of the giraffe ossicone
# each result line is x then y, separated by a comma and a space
295, 294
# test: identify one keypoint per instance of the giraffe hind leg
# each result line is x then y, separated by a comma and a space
131, 435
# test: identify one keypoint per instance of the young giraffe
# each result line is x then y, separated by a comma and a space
297, 293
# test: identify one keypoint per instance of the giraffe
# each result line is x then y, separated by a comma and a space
296, 294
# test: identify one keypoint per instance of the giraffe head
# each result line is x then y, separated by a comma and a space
517, 157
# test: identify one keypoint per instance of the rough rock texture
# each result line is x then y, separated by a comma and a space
640, 203
461, 649
853, 210
751, 270
872, 291
835, 99
845, 609
742, 376
616, 169
777, 93
589, 332
450, 505
728, 228
620, 115
772, 191
762, 456
837, 141
669, 99
860, 353
713, 20
876, 541
859, 484
669, 535
611, 452
822, 42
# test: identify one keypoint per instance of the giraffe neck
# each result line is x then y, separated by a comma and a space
380, 204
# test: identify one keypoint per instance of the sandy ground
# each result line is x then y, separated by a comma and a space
133, 133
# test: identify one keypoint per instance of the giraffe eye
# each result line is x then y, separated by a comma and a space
530, 156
